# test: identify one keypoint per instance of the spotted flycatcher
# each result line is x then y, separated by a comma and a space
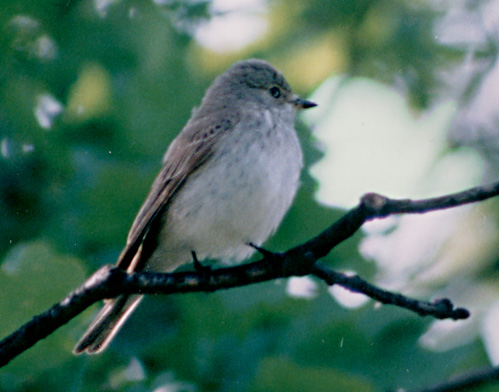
227, 180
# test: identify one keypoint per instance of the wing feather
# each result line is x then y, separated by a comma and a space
189, 151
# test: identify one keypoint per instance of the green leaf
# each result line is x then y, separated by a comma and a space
277, 374
33, 277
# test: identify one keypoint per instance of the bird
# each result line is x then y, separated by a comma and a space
226, 181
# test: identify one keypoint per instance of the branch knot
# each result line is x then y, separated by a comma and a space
298, 261
374, 205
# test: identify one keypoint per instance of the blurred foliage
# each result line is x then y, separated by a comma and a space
91, 94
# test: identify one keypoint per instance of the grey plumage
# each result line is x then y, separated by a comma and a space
227, 180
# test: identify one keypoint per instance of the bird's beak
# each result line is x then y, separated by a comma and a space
303, 103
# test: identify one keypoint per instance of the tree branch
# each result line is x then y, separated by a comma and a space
301, 260
440, 308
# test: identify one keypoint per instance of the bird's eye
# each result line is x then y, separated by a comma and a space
275, 92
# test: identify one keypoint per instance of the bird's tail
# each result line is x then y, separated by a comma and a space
107, 324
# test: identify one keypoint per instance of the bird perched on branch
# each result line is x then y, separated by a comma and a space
227, 181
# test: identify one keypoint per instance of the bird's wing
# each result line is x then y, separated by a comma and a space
190, 150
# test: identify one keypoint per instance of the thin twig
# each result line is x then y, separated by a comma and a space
440, 308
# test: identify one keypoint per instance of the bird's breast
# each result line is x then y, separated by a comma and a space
241, 194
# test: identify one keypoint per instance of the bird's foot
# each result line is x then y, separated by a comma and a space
202, 269
267, 255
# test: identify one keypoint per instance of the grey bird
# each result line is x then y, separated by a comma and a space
227, 180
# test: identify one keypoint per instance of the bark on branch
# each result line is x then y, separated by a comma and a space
301, 260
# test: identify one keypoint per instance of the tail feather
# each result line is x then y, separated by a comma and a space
107, 324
